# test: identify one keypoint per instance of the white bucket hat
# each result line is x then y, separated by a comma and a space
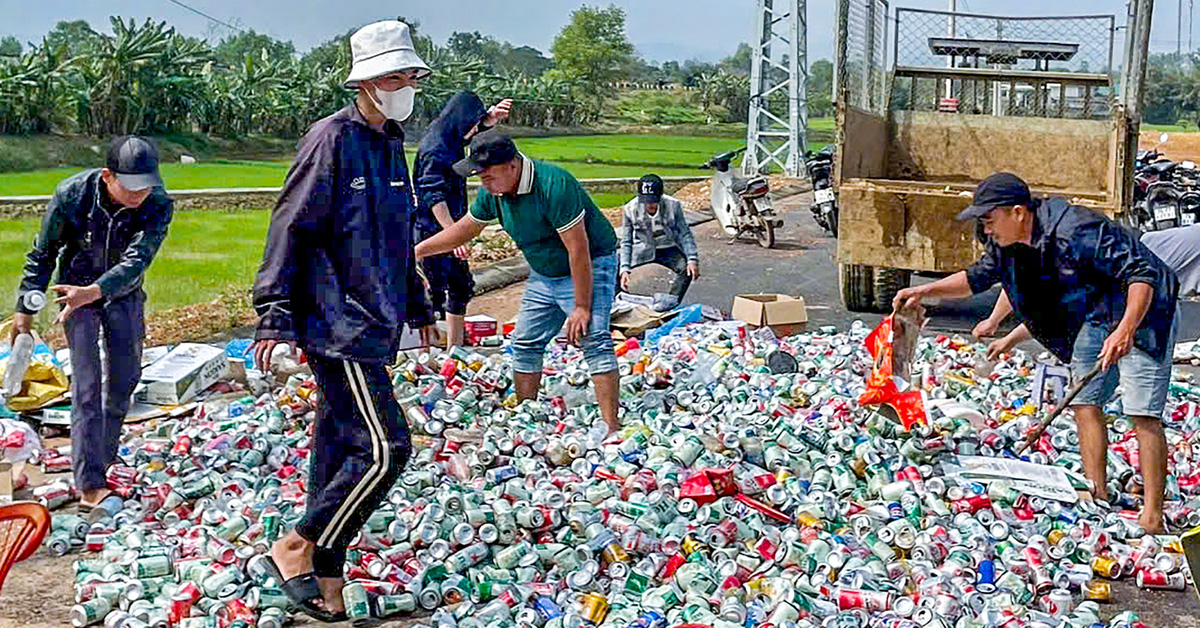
383, 48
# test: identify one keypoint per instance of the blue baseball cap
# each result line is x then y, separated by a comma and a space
1002, 189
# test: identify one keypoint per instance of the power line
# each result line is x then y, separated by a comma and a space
205, 15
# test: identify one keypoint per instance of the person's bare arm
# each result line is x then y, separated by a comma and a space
988, 326
1006, 344
579, 254
450, 238
441, 213
953, 287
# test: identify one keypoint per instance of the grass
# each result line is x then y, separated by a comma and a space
204, 254
1169, 128
208, 254
585, 156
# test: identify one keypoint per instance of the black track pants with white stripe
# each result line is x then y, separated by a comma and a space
359, 447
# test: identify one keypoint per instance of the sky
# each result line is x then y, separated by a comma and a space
707, 30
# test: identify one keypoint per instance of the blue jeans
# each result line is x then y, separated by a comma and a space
544, 308
1144, 380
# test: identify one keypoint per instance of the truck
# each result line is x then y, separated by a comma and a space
967, 95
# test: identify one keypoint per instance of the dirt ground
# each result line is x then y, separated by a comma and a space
1179, 146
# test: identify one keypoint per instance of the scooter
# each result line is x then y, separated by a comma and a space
820, 171
742, 205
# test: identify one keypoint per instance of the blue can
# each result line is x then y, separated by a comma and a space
987, 571
895, 511
547, 608
1068, 516
649, 619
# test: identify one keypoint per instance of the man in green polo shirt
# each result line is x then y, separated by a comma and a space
572, 253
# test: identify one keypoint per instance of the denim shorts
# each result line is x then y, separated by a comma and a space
1144, 381
544, 308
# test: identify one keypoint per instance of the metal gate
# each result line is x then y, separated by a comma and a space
860, 58
1056, 67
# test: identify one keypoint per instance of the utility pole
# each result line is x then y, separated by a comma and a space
1179, 31
952, 23
1135, 73
777, 132
1133, 85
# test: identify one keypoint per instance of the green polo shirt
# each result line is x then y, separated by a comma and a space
548, 202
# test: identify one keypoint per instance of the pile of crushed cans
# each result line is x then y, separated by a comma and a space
731, 497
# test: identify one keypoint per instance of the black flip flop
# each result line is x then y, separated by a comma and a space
305, 592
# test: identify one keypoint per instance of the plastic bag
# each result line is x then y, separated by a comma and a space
18, 441
882, 386
685, 316
45, 380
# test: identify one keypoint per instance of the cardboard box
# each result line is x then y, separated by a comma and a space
183, 373
784, 314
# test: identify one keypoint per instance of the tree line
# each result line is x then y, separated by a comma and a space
148, 78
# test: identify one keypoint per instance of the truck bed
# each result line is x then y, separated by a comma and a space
901, 179
910, 224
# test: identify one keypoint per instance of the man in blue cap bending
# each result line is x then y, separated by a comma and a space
1091, 293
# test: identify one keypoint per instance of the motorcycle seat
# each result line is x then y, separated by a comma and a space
752, 187
1160, 167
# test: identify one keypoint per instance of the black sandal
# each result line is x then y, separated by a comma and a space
305, 592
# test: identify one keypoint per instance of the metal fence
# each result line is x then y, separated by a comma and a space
1036, 66
860, 74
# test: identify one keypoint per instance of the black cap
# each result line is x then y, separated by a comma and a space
650, 188
1002, 189
134, 160
487, 149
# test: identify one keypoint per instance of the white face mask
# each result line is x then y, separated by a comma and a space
397, 105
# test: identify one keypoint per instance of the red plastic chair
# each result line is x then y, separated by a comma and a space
23, 526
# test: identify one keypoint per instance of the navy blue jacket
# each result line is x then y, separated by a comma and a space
338, 273
1078, 270
91, 239
440, 148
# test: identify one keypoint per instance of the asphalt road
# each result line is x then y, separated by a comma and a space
804, 264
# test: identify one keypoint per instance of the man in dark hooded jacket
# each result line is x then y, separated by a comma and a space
442, 199
1091, 293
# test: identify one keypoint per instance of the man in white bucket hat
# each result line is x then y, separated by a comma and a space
338, 278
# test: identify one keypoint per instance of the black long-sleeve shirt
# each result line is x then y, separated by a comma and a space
90, 239
1078, 269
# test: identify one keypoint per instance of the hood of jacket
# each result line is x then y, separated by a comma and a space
445, 133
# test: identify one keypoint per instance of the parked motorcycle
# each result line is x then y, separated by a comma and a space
742, 205
1170, 199
820, 171
1147, 157
1166, 194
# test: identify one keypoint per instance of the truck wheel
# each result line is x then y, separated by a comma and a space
857, 285
889, 281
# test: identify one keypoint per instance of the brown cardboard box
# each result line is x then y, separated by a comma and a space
784, 314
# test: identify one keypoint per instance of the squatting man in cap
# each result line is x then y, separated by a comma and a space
572, 253
657, 232
1091, 293
339, 280
101, 230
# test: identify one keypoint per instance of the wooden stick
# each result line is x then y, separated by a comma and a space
1041, 428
